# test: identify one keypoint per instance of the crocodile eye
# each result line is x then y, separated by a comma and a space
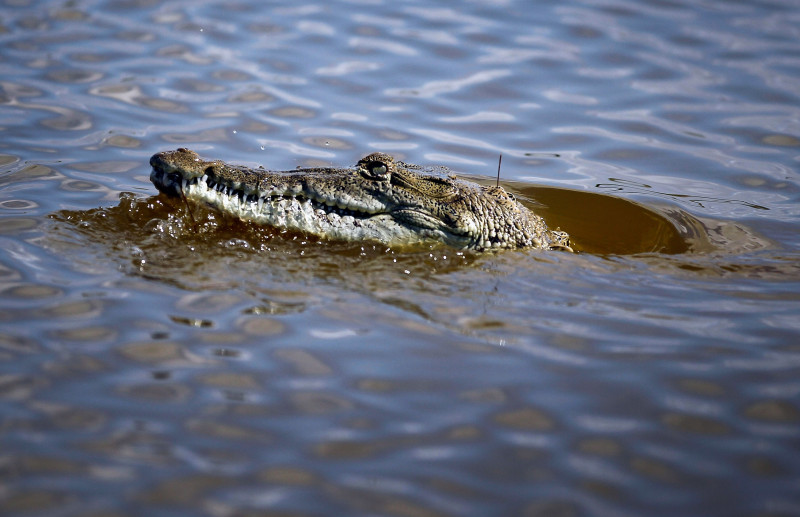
377, 170
377, 166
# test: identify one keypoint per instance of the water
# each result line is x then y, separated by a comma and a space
152, 366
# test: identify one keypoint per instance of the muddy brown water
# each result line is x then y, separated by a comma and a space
151, 364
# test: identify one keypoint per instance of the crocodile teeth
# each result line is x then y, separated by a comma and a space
273, 199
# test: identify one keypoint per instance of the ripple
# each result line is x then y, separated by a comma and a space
348, 68
262, 326
8, 159
10, 344
455, 138
33, 291
231, 380
34, 500
75, 76
435, 88
227, 431
87, 334
695, 424
320, 403
18, 204
72, 309
480, 117
569, 98
123, 141
529, 419
303, 362
21, 387
772, 169
294, 148
113, 167
252, 97
779, 411
205, 135
152, 351
615, 381
293, 112
158, 393
370, 45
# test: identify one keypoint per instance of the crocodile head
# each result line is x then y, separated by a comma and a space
379, 199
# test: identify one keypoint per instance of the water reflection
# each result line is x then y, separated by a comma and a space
152, 365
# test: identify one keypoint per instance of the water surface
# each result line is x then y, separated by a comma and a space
155, 365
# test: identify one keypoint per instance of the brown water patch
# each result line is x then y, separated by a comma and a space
288, 475
16, 225
20, 387
694, 424
230, 380
655, 470
18, 204
319, 403
72, 309
227, 431
186, 491
161, 393
528, 419
152, 351
304, 363
262, 326
7, 159
600, 446
603, 224
72, 418
32, 501
31, 172
702, 387
123, 141
764, 467
773, 410
105, 167
12, 344
90, 334
32, 291
292, 112
327, 142
552, 508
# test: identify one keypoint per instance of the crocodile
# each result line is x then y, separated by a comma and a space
380, 199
